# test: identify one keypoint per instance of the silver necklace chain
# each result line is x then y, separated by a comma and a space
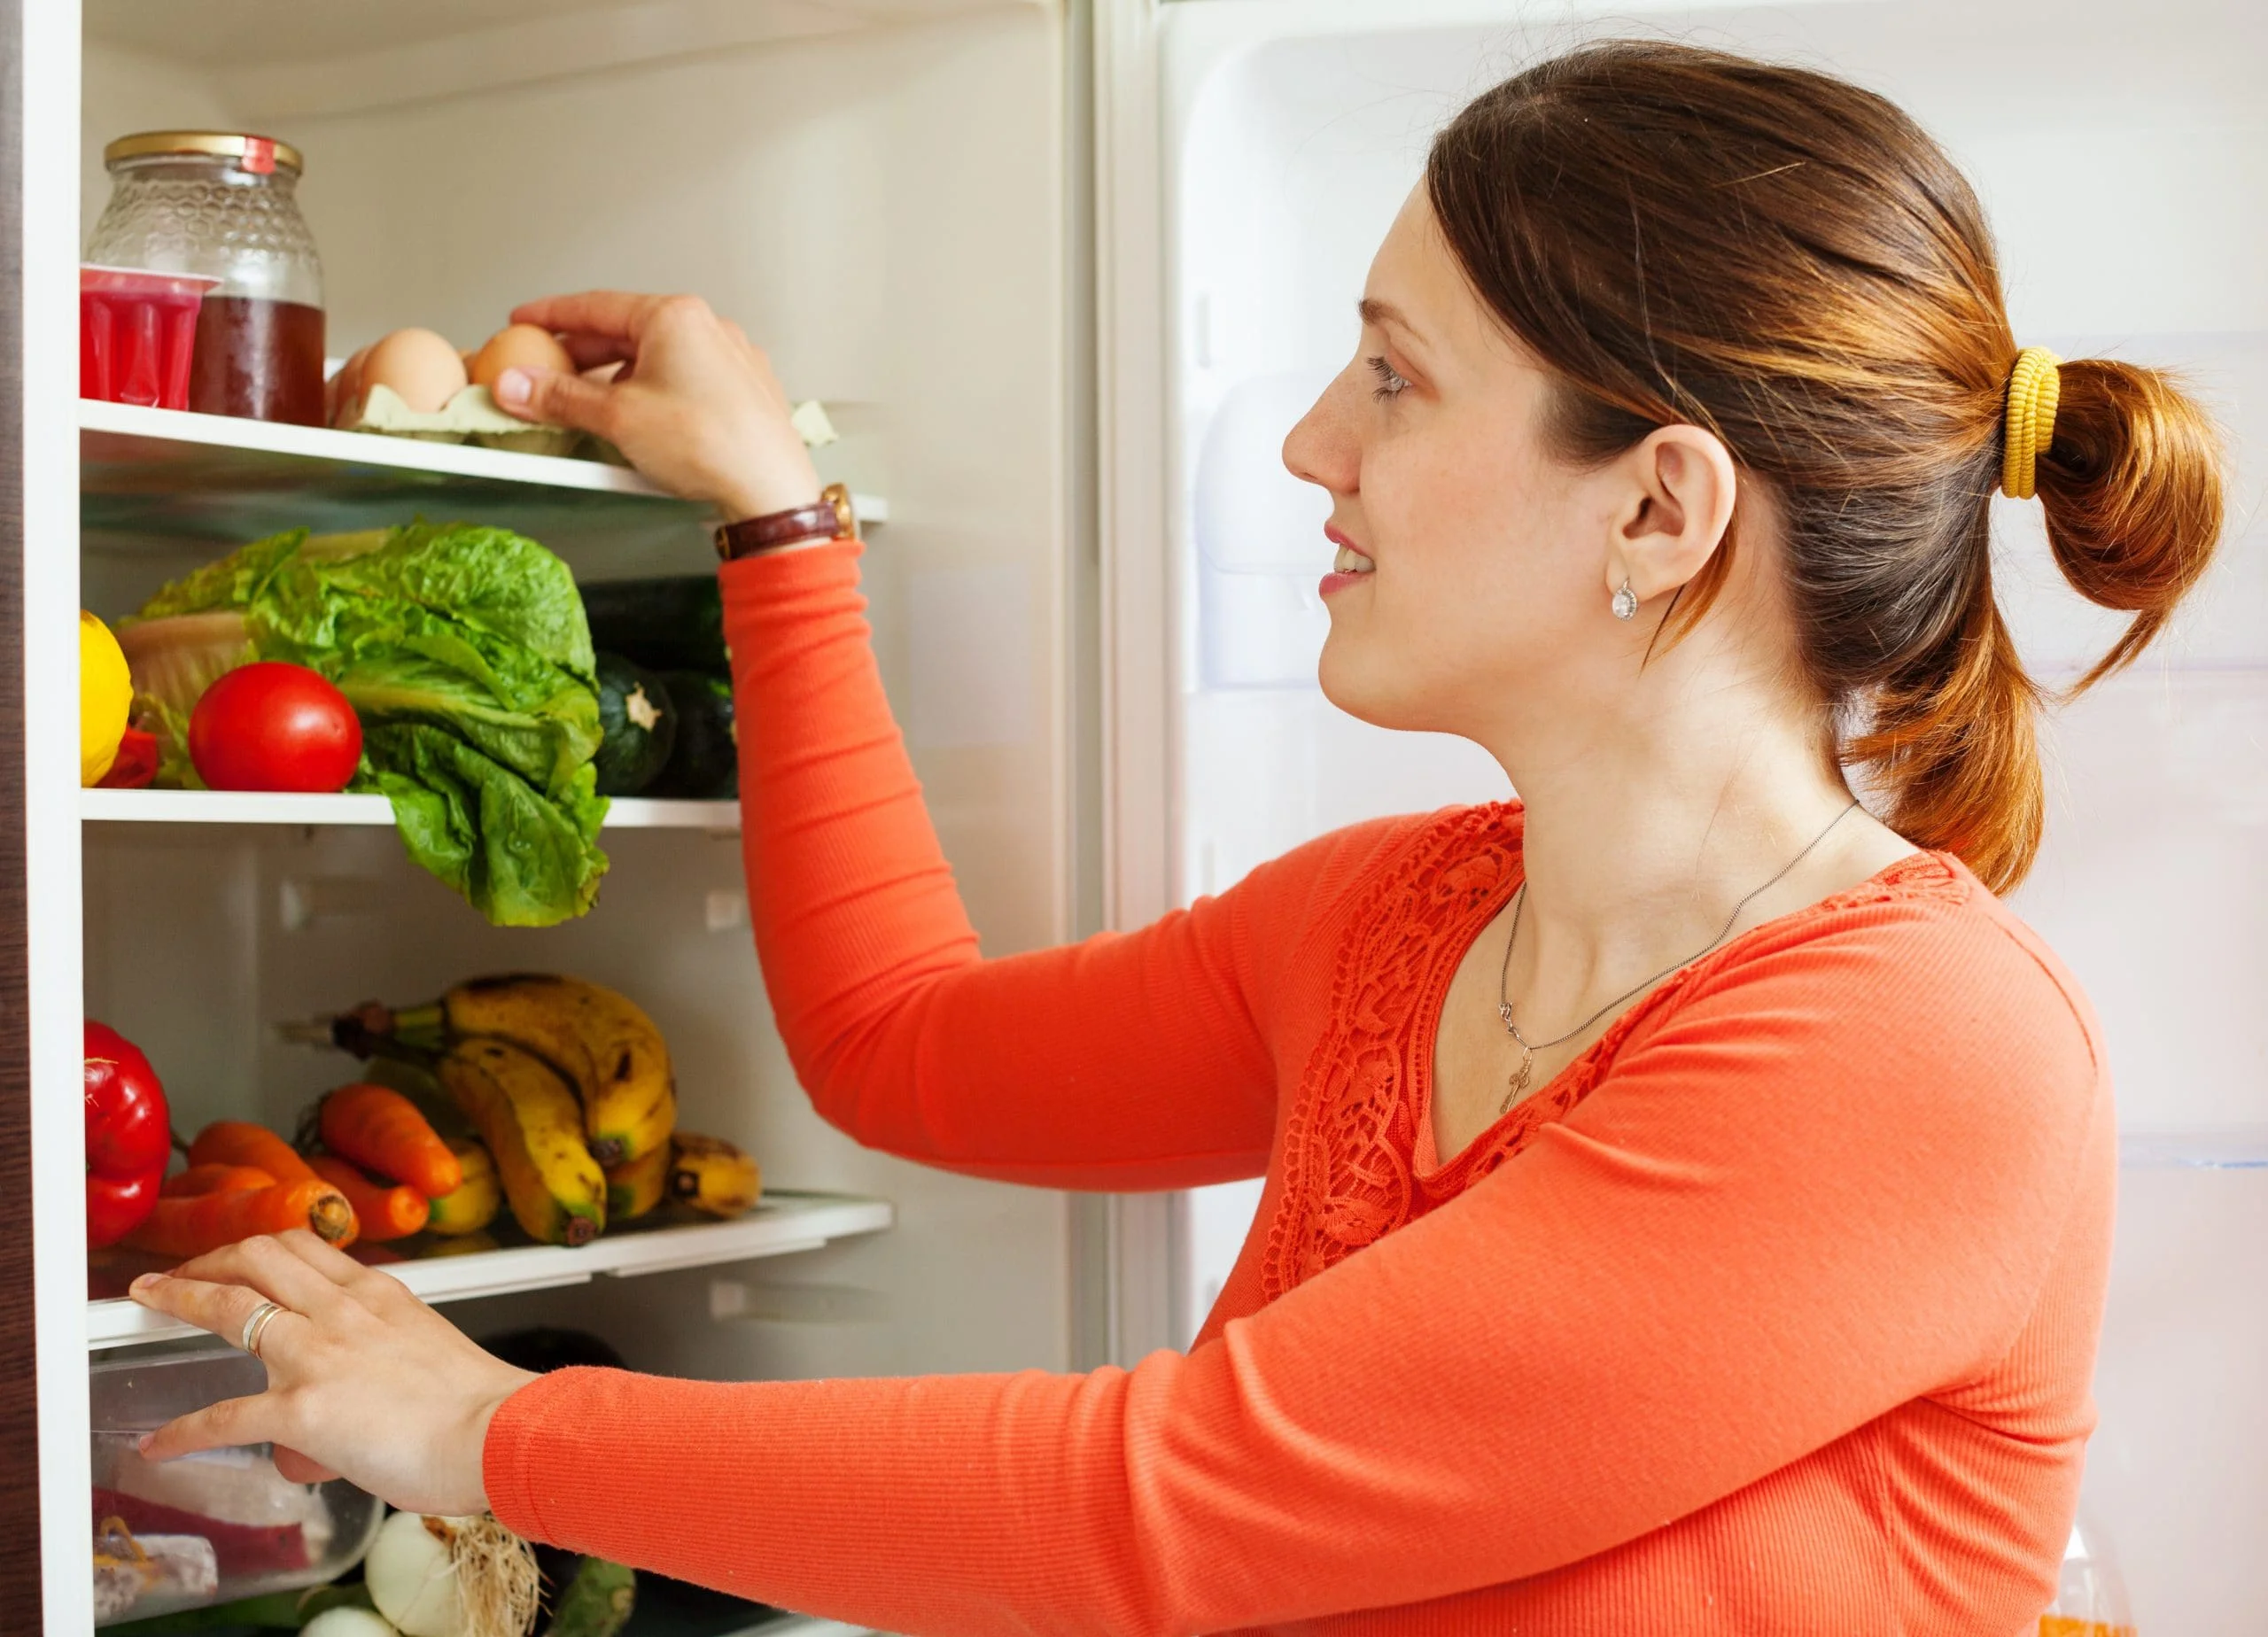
1521, 1075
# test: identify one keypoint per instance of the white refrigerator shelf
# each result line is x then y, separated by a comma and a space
168, 474
782, 1224
627, 813
2226, 1148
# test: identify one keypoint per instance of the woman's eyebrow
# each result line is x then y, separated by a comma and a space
1379, 314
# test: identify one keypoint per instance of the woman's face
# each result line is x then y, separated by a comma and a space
1482, 567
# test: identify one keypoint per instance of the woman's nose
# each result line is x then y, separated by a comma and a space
1322, 449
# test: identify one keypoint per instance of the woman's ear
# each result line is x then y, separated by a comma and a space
1681, 501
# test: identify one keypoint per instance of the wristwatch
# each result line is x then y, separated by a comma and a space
830, 519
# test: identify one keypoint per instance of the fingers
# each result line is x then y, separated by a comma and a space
557, 399
617, 314
297, 1468
257, 1420
273, 1268
219, 1308
331, 1262
589, 352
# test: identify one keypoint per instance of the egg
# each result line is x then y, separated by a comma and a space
422, 368
519, 346
344, 390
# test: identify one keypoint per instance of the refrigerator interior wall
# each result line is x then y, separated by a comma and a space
2122, 153
882, 210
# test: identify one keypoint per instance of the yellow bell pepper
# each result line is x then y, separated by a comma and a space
106, 698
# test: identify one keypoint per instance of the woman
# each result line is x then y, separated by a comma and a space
1688, 1193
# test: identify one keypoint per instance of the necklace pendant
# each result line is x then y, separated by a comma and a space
1517, 1084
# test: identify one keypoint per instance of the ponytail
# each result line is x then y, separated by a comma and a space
2132, 488
1952, 750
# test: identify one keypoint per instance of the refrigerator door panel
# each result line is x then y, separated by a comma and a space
2122, 154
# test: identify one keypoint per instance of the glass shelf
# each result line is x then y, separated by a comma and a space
2228, 1148
782, 1224
260, 807
153, 479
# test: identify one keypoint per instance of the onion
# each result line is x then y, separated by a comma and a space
452, 1577
412, 1579
347, 1623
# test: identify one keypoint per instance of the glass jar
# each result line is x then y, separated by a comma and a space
2090, 1595
224, 206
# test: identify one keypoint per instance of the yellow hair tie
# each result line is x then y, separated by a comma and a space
2034, 385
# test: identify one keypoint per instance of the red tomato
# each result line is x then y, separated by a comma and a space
274, 726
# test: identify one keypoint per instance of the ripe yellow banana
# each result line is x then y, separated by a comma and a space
478, 1199
533, 1130
636, 1187
604, 1044
711, 1174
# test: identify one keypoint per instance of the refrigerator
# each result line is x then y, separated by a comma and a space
1062, 276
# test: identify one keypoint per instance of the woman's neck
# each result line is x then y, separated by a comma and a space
1643, 832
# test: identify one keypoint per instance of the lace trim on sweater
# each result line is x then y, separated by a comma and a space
1350, 1175
1347, 1145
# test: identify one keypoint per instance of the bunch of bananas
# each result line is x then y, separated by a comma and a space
569, 1087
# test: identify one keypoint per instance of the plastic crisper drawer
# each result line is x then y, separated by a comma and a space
207, 1528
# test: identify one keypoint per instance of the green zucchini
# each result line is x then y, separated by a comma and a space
672, 622
598, 1602
705, 766
637, 726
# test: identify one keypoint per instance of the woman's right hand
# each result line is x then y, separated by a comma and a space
695, 406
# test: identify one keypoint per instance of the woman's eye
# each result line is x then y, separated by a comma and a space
1390, 381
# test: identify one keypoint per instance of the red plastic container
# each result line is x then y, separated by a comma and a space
137, 334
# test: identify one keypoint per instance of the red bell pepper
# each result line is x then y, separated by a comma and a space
129, 1136
135, 764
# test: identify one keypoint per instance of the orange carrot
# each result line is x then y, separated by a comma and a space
382, 1131
383, 1212
206, 1179
184, 1227
239, 1142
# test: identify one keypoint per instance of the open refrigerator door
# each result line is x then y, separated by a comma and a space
2117, 149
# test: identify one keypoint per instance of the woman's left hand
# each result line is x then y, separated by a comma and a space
364, 1381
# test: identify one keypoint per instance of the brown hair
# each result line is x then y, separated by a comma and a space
1790, 262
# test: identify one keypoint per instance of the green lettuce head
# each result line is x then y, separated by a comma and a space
465, 653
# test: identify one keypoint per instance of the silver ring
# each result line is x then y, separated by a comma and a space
256, 1325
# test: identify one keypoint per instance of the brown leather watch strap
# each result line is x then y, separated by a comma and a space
830, 519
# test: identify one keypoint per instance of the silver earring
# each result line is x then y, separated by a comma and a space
1625, 603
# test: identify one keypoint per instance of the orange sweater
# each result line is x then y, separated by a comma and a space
1774, 1314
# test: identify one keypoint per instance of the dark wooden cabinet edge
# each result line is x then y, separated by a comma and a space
19, 1531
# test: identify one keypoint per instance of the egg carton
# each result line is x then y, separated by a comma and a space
471, 416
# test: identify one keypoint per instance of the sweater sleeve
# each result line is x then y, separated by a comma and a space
1121, 1063
1834, 1178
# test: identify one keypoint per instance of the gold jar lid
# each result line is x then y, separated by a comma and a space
257, 154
